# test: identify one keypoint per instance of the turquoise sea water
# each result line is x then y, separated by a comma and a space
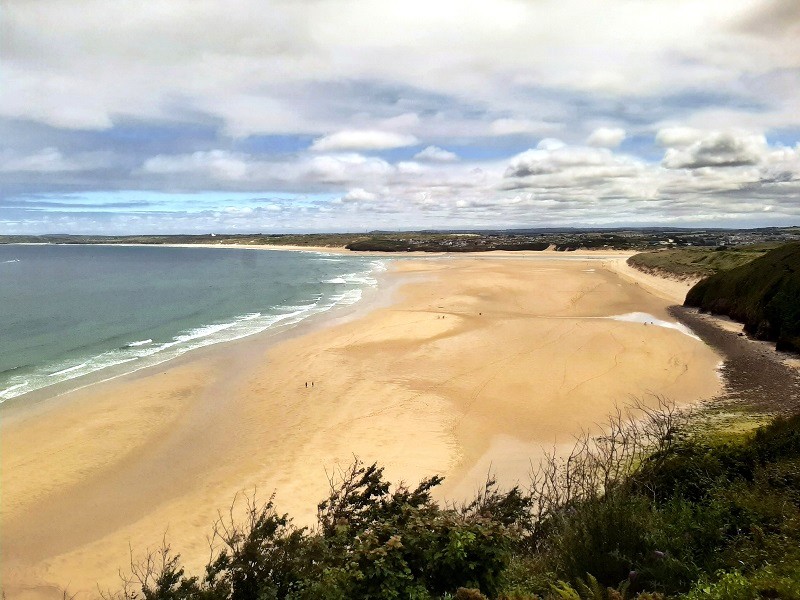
70, 311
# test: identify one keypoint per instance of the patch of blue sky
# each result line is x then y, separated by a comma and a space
487, 150
158, 137
642, 147
789, 136
275, 144
510, 146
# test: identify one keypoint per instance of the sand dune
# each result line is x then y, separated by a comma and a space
478, 361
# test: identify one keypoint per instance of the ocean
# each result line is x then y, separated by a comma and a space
68, 312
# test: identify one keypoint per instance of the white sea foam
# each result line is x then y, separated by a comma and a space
8, 392
298, 308
8, 262
202, 332
148, 352
347, 298
648, 319
69, 369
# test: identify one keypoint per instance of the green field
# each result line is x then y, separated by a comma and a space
697, 262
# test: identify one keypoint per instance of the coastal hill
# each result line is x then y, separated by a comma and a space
696, 262
764, 294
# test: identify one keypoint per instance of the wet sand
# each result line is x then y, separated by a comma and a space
758, 378
476, 363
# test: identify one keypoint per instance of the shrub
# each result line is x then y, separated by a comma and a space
730, 586
642, 511
401, 543
371, 542
605, 537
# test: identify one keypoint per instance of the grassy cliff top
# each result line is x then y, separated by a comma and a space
698, 262
764, 294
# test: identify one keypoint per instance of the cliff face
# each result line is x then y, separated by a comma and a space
763, 294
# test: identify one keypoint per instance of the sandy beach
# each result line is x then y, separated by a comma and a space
476, 362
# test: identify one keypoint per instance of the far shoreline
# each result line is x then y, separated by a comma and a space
346, 251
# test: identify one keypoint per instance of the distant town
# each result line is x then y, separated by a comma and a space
459, 241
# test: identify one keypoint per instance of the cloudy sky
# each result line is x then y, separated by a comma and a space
348, 115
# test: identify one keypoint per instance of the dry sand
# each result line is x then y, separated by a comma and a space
478, 361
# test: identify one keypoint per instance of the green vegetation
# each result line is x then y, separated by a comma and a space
697, 262
455, 241
763, 294
649, 511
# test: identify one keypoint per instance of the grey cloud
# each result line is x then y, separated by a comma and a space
526, 168
771, 17
717, 150
552, 162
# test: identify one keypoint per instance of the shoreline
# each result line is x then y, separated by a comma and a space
112, 372
478, 361
278, 331
38, 399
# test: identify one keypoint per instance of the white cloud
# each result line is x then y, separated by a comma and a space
362, 140
677, 137
48, 160
606, 137
436, 154
550, 144
509, 126
345, 168
409, 167
359, 195
409, 120
217, 164
215, 76
552, 183
262, 71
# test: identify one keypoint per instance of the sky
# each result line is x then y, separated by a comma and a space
194, 116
